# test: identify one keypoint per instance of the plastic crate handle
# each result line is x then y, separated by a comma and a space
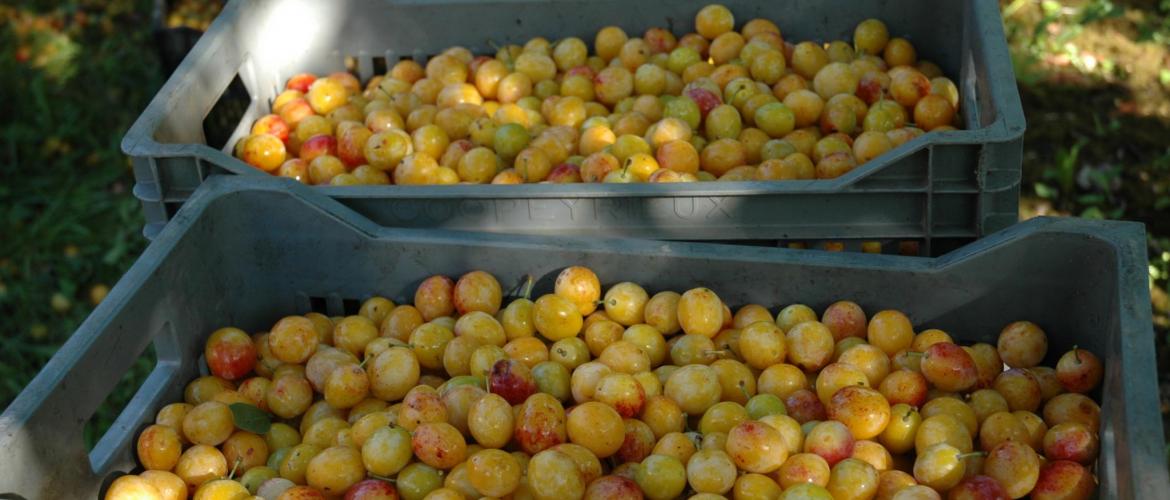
172, 124
42, 431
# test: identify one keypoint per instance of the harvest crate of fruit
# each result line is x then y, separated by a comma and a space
374, 361
865, 124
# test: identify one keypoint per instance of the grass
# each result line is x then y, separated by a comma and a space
72, 77
74, 74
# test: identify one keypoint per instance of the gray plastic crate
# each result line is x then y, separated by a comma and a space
281, 248
942, 189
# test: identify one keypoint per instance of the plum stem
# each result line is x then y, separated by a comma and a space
526, 292
743, 390
507, 54
232, 474
1076, 354
626, 169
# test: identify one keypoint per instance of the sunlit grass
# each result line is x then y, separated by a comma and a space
1095, 41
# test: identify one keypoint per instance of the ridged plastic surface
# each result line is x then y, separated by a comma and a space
941, 189
245, 253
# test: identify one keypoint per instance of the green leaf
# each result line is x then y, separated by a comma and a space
250, 418
1044, 191
1091, 199
1162, 202
1099, 10
1093, 213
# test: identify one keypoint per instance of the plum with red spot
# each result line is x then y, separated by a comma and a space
463, 144
294, 111
318, 145
371, 489
638, 443
301, 82
613, 488
706, 99
351, 146
845, 319
564, 173
978, 488
870, 88
302, 492
908, 87
230, 353
613, 84
756, 447
660, 40
434, 297
803, 405
904, 386
1079, 370
1071, 441
949, 367
540, 424
272, 125
623, 392
1064, 480
831, 440
455, 152
512, 380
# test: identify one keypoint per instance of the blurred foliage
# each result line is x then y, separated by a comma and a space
193, 14
73, 76
1094, 41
